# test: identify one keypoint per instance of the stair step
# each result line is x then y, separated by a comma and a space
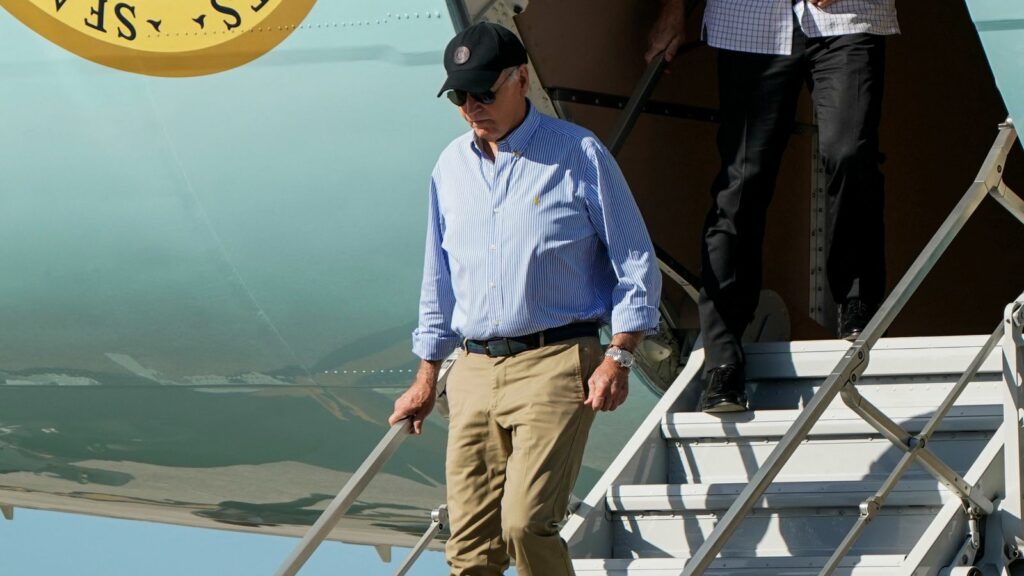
890, 356
701, 463
793, 519
797, 532
823, 494
834, 422
878, 565
731, 447
902, 371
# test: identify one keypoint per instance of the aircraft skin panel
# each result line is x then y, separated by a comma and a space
210, 277
1000, 24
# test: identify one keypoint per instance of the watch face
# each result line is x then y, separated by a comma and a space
620, 356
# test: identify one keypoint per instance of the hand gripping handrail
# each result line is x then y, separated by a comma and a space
844, 377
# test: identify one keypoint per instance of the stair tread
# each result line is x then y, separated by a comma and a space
835, 421
817, 358
817, 493
879, 560
868, 565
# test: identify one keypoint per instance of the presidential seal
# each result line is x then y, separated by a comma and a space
164, 37
462, 55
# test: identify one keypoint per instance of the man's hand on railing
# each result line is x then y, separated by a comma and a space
419, 399
668, 32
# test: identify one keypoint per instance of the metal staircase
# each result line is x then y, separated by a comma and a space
654, 521
880, 457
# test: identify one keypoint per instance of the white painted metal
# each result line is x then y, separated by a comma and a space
840, 446
439, 520
847, 372
660, 510
1013, 365
362, 477
643, 459
867, 566
949, 527
818, 494
341, 503
836, 422
730, 448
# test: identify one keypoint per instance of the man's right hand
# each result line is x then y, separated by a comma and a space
669, 31
419, 399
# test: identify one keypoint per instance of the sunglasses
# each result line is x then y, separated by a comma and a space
459, 97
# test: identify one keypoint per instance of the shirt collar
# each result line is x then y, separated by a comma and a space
519, 138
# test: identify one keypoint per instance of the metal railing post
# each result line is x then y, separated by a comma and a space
439, 521
1012, 507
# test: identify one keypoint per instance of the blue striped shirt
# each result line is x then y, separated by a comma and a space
545, 235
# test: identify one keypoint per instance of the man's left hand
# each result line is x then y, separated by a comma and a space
609, 386
669, 31
822, 3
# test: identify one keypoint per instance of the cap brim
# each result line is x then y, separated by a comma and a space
470, 81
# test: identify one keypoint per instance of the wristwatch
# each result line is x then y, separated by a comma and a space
623, 358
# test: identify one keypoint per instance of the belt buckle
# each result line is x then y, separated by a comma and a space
503, 346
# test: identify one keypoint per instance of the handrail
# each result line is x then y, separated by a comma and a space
685, 279
846, 373
343, 501
636, 102
386, 448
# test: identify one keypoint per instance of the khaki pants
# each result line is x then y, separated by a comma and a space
515, 444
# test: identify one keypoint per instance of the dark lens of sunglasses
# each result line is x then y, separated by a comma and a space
484, 97
459, 97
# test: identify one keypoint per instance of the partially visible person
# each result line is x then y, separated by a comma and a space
768, 50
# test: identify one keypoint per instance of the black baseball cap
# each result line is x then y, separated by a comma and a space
476, 56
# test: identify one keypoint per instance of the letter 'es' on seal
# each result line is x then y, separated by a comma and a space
164, 37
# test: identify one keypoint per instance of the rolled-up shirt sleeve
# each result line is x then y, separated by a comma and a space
433, 338
617, 220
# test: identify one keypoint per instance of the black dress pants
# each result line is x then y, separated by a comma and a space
758, 94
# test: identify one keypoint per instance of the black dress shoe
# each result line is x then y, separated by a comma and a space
854, 316
726, 390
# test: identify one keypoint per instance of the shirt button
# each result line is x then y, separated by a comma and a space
493, 284
497, 322
493, 247
496, 210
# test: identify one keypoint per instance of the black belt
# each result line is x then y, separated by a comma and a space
498, 347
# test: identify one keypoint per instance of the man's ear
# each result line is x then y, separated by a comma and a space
524, 79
